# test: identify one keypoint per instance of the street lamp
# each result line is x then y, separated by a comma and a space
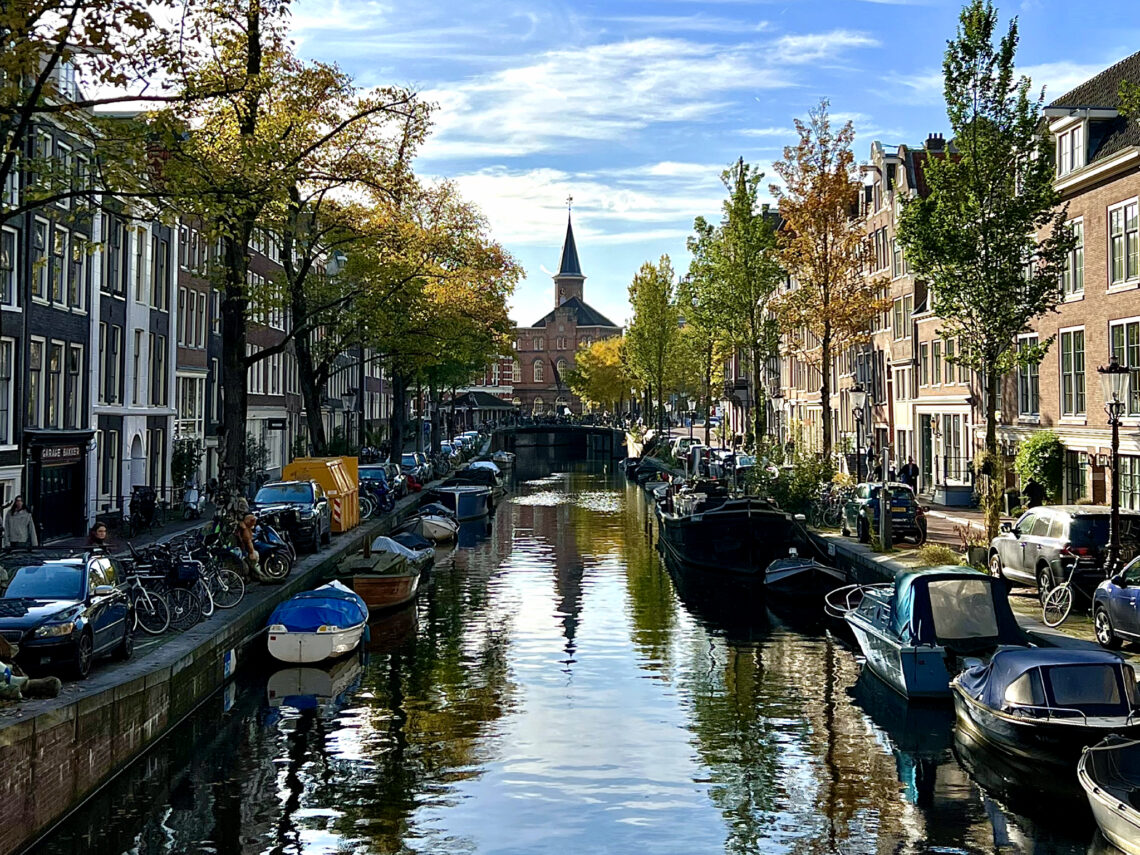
858, 402
348, 398
1114, 387
692, 415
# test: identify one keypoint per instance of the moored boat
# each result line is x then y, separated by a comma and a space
434, 527
802, 580
466, 501
317, 625
309, 688
1047, 704
1109, 773
389, 589
915, 631
420, 559
504, 459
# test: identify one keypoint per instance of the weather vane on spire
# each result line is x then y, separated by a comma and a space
569, 203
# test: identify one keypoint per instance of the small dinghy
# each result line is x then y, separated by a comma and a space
383, 579
803, 580
417, 558
317, 625
1047, 704
504, 459
437, 528
1109, 773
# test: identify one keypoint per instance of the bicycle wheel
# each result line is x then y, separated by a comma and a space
185, 610
205, 597
1058, 604
367, 508
227, 588
152, 614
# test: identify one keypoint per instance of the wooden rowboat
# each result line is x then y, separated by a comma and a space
387, 590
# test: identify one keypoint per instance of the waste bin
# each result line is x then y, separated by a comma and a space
338, 478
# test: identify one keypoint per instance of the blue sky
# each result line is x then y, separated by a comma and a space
635, 108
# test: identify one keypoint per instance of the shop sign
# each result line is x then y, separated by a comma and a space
275, 424
60, 454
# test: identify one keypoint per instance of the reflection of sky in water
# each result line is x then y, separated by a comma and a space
541, 499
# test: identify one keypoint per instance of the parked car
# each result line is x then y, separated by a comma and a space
411, 464
67, 611
861, 512
1116, 607
312, 520
1049, 541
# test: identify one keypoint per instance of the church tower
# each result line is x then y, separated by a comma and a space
568, 280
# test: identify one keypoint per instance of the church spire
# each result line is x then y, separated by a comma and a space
568, 281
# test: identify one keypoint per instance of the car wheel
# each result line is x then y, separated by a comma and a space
1105, 635
126, 647
1044, 582
84, 653
996, 570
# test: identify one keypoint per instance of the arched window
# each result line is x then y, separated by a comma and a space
561, 405
538, 371
562, 369
516, 372
537, 407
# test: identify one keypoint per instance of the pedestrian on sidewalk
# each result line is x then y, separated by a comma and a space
19, 527
97, 537
909, 473
1034, 494
245, 538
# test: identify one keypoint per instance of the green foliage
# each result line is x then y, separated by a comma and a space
300, 446
185, 459
797, 485
1130, 99
256, 459
1041, 457
936, 555
653, 329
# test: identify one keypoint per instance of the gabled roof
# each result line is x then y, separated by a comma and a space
584, 315
570, 265
477, 400
1103, 91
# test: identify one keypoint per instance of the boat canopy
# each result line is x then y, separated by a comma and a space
484, 464
386, 544
1088, 682
328, 605
944, 605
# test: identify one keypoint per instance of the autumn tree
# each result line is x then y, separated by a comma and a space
232, 160
600, 376
652, 335
990, 238
829, 304
734, 276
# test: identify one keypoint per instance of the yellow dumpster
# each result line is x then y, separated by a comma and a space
338, 478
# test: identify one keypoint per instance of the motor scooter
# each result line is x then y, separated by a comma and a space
192, 503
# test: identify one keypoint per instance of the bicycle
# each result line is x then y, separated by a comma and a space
151, 611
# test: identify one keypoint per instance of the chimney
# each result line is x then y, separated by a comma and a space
935, 142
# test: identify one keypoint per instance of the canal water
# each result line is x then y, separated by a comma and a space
557, 689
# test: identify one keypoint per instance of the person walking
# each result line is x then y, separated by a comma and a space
1034, 494
909, 473
19, 527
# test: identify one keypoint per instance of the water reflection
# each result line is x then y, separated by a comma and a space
557, 687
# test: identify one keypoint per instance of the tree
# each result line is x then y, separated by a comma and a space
990, 238
600, 376
830, 304
233, 160
653, 331
734, 276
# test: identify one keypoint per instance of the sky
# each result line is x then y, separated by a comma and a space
635, 108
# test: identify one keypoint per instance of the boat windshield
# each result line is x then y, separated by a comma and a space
963, 608
1082, 686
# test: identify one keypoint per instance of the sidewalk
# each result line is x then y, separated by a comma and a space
118, 540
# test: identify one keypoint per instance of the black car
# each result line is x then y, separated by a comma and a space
1048, 542
861, 512
66, 611
310, 524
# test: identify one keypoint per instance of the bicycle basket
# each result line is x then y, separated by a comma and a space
185, 573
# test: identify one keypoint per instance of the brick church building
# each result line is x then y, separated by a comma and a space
544, 351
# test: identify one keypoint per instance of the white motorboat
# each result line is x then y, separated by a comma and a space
1109, 773
437, 528
317, 625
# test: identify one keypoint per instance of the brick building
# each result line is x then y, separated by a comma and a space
544, 351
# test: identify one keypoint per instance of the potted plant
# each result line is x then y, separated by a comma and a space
974, 543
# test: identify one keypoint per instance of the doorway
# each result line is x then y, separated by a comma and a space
927, 451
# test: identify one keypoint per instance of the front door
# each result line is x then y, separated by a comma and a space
927, 451
61, 500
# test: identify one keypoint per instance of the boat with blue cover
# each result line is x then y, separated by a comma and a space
1047, 704
316, 625
916, 631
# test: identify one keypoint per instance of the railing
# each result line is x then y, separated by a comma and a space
956, 468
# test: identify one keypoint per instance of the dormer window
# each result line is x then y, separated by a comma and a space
1070, 150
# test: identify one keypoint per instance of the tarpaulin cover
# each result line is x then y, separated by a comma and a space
944, 604
484, 464
386, 544
1097, 688
329, 605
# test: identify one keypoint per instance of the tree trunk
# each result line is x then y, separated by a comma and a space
397, 420
436, 418
234, 377
759, 417
825, 388
708, 387
311, 397
419, 416
994, 479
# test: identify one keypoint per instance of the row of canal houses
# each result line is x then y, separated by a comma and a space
110, 344
920, 403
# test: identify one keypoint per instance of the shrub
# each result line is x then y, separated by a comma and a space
185, 459
1041, 457
797, 485
936, 554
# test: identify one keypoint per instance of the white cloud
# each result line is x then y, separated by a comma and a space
1059, 77
820, 47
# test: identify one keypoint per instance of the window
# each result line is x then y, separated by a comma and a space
63, 156
1124, 243
12, 185
924, 364
537, 405
539, 344
948, 345
73, 414
495, 373
7, 392
1070, 150
54, 417
181, 316
936, 363
216, 317
562, 370
59, 265
1124, 338
200, 332
516, 372
35, 382
896, 259
42, 266
1129, 482
7, 267
183, 246
140, 261
137, 392
1028, 388
111, 363
1073, 276
158, 358
77, 277
538, 371
1077, 476
1073, 372
159, 249
898, 323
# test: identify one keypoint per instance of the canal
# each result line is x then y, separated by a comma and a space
557, 688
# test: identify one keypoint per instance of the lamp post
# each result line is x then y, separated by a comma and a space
1114, 386
692, 415
348, 398
858, 402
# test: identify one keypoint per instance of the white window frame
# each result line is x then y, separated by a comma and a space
1029, 375
1128, 354
1074, 412
1073, 274
7, 394
9, 291
1130, 268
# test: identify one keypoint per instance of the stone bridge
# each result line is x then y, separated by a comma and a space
587, 440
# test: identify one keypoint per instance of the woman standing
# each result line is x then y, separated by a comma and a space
19, 527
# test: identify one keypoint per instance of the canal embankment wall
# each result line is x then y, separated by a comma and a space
57, 753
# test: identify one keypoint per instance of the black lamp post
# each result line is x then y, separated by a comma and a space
1114, 386
858, 402
348, 398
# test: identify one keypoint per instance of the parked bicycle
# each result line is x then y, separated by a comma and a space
149, 606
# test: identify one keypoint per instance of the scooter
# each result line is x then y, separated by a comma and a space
375, 496
192, 503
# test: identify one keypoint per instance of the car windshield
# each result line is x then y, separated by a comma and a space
273, 493
47, 582
898, 494
408, 460
375, 473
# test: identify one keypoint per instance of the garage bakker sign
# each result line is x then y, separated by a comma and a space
60, 453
